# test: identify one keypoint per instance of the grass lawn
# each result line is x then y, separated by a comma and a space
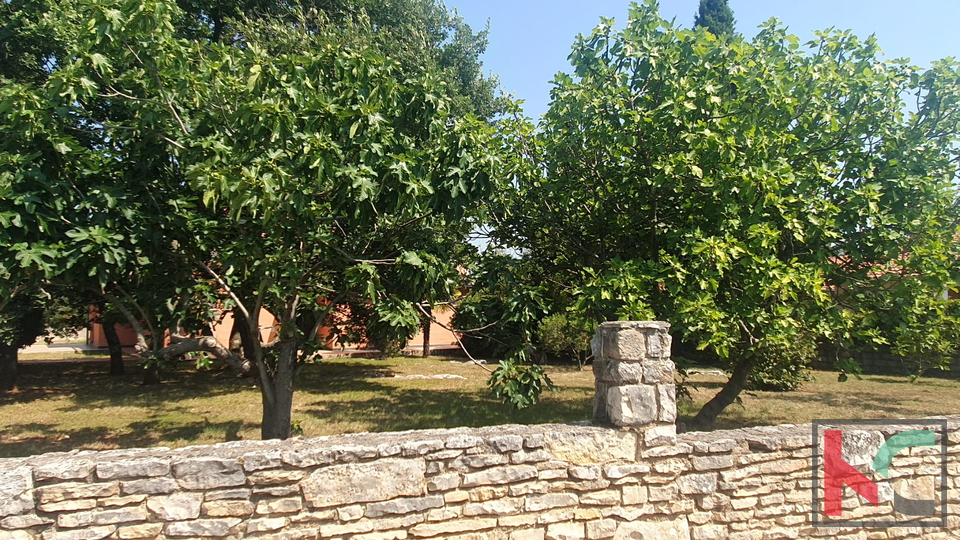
65, 406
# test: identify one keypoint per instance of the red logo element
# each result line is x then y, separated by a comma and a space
837, 472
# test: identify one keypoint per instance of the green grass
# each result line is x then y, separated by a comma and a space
65, 406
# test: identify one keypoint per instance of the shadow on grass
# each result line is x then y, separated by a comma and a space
337, 394
146, 433
89, 384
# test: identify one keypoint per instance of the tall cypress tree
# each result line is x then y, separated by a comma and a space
716, 16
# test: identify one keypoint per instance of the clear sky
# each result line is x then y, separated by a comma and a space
531, 39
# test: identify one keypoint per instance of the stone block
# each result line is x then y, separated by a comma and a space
658, 346
151, 486
609, 497
176, 507
659, 371
16, 491
123, 501
309, 457
419, 448
618, 372
585, 472
479, 461
90, 533
266, 525
527, 534
537, 503
74, 469
138, 532
225, 494
565, 531
463, 441
365, 482
601, 529
667, 398
133, 468
68, 506
533, 440
634, 495
381, 535
270, 478
712, 463
660, 435
501, 475
677, 529
227, 508
104, 517
24, 522
698, 484
535, 456
620, 471
631, 406
202, 527
120, 515
68, 491
496, 507
506, 443
443, 482
663, 493
256, 461
403, 506
209, 473
351, 453
426, 530
16, 535
556, 515
279, 506
623, 344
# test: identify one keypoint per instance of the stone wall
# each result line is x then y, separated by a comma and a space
541, 482
557, 482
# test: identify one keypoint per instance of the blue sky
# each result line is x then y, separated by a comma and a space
531, 39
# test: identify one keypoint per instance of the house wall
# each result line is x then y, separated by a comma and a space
440, 338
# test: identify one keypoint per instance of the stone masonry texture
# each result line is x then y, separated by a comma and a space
575, 481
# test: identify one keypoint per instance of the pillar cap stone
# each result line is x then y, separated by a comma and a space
652, 325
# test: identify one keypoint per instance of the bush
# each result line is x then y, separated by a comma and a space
567, 337
784, 367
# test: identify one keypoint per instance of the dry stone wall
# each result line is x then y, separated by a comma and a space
541, 482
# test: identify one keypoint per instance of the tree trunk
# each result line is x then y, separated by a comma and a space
425, 325
151, 373
278, 408
8, 368
242, 326
707, 416
116, 350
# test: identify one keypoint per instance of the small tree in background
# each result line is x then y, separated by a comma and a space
716, 16
21, 323
567, 336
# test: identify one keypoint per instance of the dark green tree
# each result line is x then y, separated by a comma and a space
21, 323
816, 200
716, 16
289, 173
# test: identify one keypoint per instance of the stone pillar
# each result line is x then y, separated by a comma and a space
634, 375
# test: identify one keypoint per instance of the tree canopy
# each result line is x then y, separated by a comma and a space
752, 193
287, 171
716, 16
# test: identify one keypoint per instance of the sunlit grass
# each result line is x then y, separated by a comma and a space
78, 406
